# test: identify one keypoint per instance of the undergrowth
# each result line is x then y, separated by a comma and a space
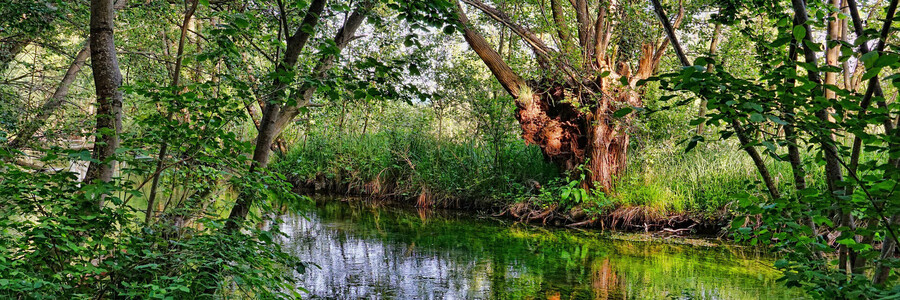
661, 178
413, 164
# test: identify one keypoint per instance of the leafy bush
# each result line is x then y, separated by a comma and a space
57, 242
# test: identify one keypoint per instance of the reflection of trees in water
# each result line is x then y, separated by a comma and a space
354, 267
605, 280
366, 252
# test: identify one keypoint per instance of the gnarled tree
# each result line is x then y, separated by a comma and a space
570, 112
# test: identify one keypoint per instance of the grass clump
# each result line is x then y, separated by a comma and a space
408, 163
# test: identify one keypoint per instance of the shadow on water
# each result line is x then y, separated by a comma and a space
378, 252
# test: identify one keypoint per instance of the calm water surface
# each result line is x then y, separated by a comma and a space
389, 253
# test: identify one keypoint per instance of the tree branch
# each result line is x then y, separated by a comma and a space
526, 34
510, 81
670, 31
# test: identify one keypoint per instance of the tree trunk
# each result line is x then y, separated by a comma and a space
713, 47
887, 252
275, 116
570, 137
56, 100
107, 79
571, 119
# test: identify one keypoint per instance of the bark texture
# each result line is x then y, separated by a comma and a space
107, 79
276, 116
569, 113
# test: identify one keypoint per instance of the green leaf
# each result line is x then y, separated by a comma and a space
241, 23
623, 112
869, 58
886, 60
691, 145
776, 119
847, 241
799, 32
871, 73
758, 118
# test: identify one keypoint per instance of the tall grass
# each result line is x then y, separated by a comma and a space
417, 163
452, 160
706, 179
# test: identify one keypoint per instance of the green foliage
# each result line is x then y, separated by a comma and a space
58, 243
569, 192
836, 233
62, 238
415, 162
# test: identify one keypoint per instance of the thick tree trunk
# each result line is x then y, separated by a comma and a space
608, 151
570, 137
571, 118
107, 79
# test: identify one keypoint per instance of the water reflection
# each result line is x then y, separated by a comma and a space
366, 252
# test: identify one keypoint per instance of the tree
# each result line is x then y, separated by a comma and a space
276, 113
107, 79
580, 109
23, 136
807, 99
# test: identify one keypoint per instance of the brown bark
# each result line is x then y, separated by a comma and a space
543, 52
603, 29
274, 117
55, 101
562, 29
341, 40
887, 252
873, 89
833, 173
585, 30
510, 81
831, 59
572, 120
670, 32
790, 134
757, 159
107, 79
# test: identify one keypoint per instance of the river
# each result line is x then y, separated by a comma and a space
360, 251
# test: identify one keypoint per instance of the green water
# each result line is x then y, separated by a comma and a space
367, 252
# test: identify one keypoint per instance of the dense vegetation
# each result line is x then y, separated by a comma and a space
150, 175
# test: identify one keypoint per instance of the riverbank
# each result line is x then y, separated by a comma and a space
662, 190
625, 219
